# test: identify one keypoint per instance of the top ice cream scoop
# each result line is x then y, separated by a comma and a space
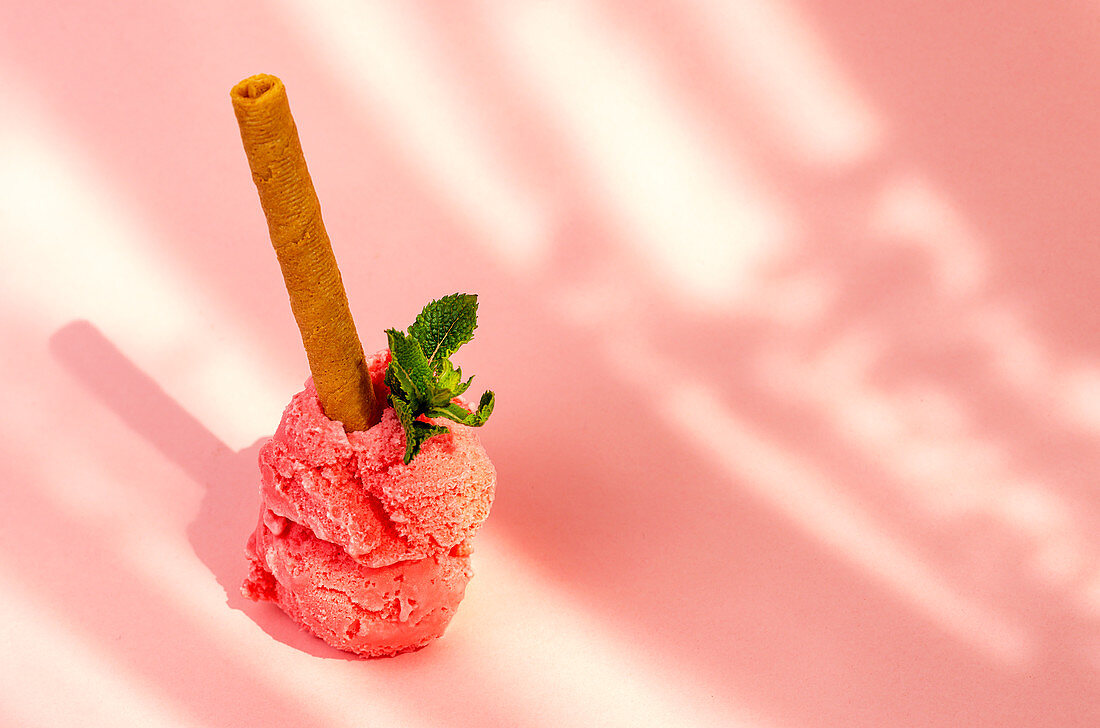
354, 490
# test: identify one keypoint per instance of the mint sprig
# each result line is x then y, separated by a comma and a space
422, 380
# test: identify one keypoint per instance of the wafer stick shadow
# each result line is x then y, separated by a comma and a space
229, 505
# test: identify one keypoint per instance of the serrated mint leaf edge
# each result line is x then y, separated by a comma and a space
462, 308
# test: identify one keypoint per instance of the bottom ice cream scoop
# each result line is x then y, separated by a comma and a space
373, 612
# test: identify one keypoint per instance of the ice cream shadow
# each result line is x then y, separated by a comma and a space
230, 503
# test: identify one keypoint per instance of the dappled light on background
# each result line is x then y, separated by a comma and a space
789, 309
700, 223
820, 507
765, 45
384, 60
619, 683
35, 678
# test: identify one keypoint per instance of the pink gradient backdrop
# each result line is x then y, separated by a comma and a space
790, 308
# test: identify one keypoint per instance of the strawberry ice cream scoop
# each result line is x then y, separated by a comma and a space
373, 612
353, 489
367, 552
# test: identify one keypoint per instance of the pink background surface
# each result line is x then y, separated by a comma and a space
790, 308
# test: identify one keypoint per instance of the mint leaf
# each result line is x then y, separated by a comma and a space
461, 386
458, 413
422, 380
409, 367
451, 379
445, 325
416, 432
485, 406
405, 415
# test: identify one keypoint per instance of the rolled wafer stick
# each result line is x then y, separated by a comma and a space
317, 295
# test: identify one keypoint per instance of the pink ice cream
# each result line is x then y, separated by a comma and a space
366, 552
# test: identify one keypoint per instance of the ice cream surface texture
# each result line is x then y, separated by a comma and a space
365, 551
